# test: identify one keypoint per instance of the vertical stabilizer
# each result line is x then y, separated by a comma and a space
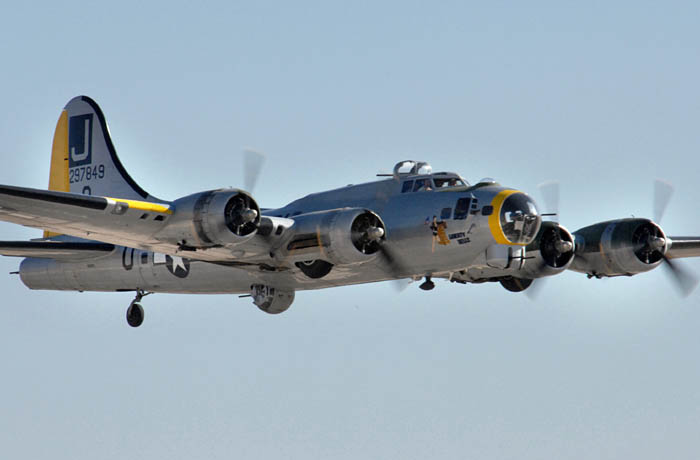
83, 158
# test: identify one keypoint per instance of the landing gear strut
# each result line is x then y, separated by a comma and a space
427, 285
134, 314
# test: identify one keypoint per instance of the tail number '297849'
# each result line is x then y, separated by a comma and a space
88, 173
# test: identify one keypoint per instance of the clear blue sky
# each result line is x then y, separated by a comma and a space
603, 97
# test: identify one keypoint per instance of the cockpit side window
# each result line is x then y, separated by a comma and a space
407, 186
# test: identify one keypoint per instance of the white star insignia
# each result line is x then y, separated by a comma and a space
178, 262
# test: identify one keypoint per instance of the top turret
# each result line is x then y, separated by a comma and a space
411, 168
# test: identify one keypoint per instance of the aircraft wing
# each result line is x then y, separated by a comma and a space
59, 250
683, 246
109, 220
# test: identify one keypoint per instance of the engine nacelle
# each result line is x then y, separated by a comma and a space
338, 236
619, 247
215, 218
550, 253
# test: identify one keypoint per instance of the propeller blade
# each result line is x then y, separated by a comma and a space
395, 267
684, 279
535, 289
252, 165
402, 284
662, 195
550, 194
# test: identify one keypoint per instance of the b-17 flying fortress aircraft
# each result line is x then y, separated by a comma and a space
103, 232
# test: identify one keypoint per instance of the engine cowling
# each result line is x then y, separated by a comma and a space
215, 218
339, 236
619, 247
550, 253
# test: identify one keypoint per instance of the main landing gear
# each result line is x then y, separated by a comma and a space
134, 314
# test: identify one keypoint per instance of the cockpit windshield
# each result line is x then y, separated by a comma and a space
427, 184
446, 182
418, 176
423, 184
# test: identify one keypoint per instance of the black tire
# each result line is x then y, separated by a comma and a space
427, 285
516, 284
134, 315
315, 269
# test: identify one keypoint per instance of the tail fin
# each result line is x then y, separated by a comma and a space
83, 158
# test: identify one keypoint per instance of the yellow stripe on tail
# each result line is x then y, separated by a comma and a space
58, 174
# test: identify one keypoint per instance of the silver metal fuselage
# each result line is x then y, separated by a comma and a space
464, 246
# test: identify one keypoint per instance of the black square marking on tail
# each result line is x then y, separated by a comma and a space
80, 140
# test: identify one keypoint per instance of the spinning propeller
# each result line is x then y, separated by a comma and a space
555, 249
242, 214
369, 236
252, 166
367, 233
685, 280
649, 241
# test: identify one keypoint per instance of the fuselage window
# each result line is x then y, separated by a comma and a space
446, 213
144, 258
423, 184
407, 186
462, 208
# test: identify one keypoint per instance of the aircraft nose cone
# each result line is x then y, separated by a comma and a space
563, 246
519, 219
249, 215
375, 233
657, 243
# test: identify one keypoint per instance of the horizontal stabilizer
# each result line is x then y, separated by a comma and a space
59, 250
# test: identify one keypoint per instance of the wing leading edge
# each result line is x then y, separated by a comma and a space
59, 250
683, 246
109, 220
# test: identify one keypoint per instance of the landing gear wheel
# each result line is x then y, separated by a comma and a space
427, 285
515, 284
134, 315
315, 269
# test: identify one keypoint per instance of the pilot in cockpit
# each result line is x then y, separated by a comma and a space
422, 184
